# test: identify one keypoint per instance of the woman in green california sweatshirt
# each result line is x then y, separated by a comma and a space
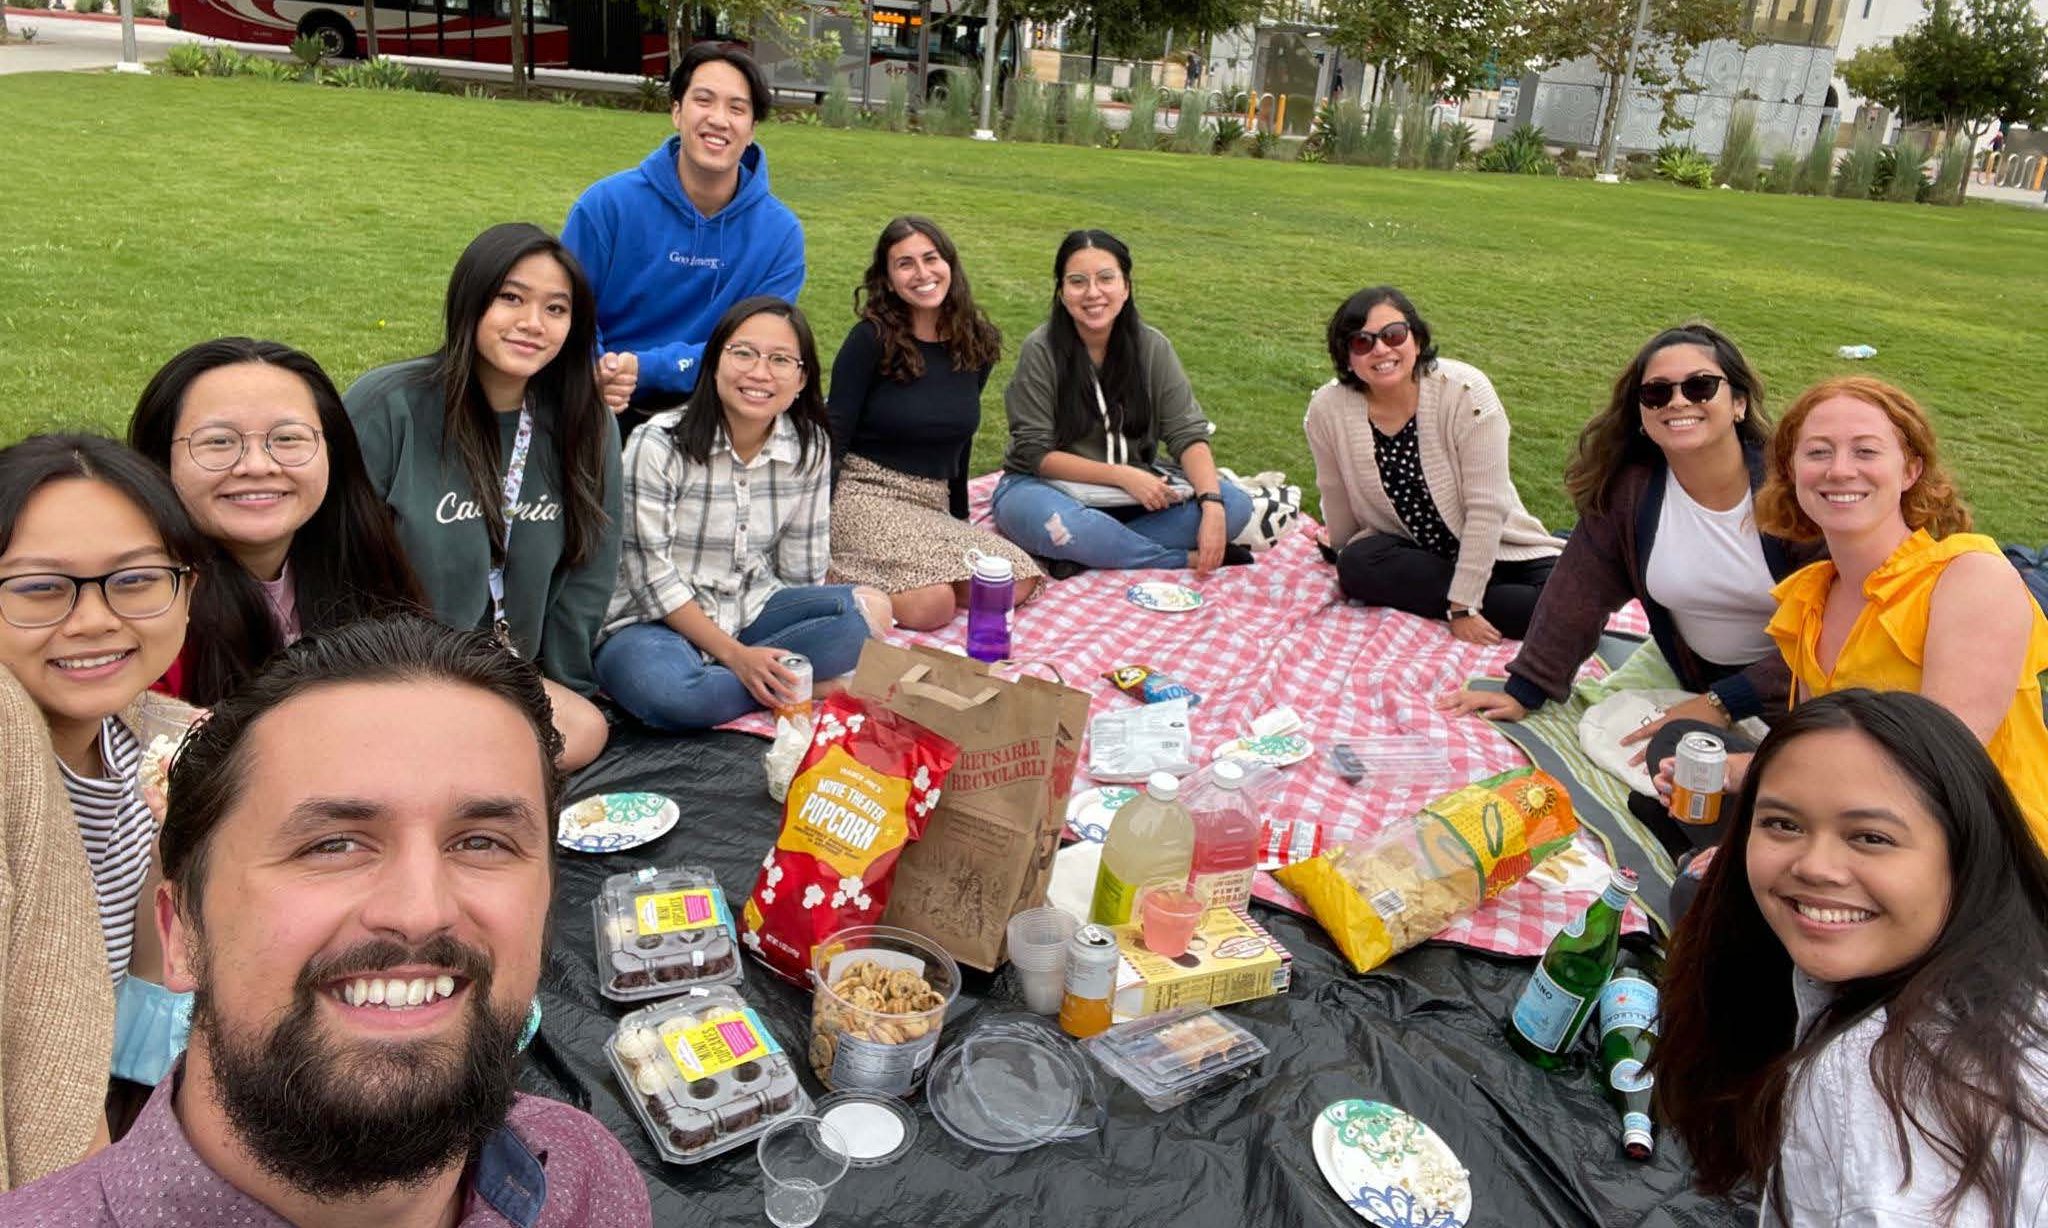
501, 465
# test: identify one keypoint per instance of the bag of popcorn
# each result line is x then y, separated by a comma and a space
867, 786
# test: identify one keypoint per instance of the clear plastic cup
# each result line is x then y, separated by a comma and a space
802, 1158
880, 1035
1170, 911
1038, 947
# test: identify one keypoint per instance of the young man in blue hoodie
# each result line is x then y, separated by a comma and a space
672, 243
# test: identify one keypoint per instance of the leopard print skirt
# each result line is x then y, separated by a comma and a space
893, 531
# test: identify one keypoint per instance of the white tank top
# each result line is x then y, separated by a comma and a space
1708, 569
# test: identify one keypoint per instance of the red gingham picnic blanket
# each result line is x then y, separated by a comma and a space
1279, 633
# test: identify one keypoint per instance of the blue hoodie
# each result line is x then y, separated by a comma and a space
664, 273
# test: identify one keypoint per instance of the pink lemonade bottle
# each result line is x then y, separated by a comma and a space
1226, 835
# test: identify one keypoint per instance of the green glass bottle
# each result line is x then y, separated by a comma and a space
1628, 1032
1561, 992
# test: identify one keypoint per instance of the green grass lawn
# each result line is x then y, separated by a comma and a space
148, 213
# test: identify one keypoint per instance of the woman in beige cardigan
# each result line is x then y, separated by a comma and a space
1411, 455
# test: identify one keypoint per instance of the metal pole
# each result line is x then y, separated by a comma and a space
130, 61
991, 35
1635, 42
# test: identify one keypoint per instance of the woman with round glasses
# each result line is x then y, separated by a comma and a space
1411, 455
266, 462
1663, 483
728, 536
1109, 463
98, 566
500, 463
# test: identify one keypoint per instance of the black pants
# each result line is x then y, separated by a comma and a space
1682, 839
1384, 570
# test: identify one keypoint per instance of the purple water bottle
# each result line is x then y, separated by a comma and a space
989, 591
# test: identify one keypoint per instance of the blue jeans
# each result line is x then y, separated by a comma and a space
660, 677
1025, 509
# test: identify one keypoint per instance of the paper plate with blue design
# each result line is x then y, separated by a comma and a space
613, 821
1391, 1168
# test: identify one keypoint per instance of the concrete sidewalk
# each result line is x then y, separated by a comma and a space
2009, 196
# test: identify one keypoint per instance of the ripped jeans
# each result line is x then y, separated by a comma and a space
1052, 524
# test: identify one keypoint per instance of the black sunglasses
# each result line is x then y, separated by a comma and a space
1698, 389
1364, 339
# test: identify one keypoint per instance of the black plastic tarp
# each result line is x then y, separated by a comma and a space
1424, 1033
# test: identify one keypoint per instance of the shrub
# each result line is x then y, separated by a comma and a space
224, 62
185, 60
1783, 174
896, 107
1142, 132
1902, 172
1027, 110
1379, 135
309, 51
1189, 133
1520, 152
1740, 157
89, 6
1413, 151
651, 94
273, 70
383, 74
1261, 144
1688, 168
1857, 171
424, 80
837, 109
951, 111
1084, 118
1450, 145
1119, 93
1577, 168
1951, 169
1637, 167
1341, 125
1817, 167
38, 5
1228, 135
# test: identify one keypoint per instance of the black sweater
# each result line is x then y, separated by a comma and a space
924, 428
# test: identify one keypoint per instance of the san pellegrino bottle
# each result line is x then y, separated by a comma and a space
1628, 1033
1563, 988
1153, 836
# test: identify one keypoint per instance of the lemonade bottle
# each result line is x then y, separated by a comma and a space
1153, 837
1226, 833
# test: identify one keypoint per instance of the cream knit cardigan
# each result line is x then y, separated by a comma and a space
56, 997
1463, 436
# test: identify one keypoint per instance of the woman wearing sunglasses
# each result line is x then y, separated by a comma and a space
1663, 482
1098, 405
266, 463
1411, 455
1908, 599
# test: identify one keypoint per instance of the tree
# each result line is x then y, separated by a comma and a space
1452, 46
1962, 68
1605, 30
516, 31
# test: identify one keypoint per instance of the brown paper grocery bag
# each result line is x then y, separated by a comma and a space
987, 853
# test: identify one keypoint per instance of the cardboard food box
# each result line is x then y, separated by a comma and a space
1232, 959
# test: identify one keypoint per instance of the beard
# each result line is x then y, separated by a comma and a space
336, 1119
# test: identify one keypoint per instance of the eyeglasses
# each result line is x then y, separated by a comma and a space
1698, 389
290, 444
1078, 282
781, 366
1394, 335
45, 599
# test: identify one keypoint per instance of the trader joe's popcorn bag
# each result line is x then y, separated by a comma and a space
866, 787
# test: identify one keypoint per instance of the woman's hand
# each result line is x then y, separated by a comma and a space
1698, 708
1474, 629
1493, 705
617, 376
761, 671
1148, 488
1738, 767
1209, 540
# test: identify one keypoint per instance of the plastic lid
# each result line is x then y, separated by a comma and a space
994, 568
1227, 773
1011, 1087
1624, 880
1162, 786
878, 1128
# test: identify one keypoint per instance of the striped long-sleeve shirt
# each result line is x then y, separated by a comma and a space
119, 832
727, 534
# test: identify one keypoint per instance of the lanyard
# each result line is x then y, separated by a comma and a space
515, 477
1116, 449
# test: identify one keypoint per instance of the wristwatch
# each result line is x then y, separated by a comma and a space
1715, 702
1210, 497
1459, 611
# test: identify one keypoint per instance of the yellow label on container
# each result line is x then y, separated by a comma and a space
1113, 898
724, 1039
668, 912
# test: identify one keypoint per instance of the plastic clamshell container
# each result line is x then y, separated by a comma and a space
663, 931
1168, 1058
704, 1073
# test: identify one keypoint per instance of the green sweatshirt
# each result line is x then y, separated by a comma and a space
554, 610
1033, 394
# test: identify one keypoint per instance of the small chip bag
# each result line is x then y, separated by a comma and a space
1391, 891
866, 787
1144, 682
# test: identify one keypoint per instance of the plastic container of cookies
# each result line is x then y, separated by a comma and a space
704, 1073
663, 931
880, 999
1170, 1057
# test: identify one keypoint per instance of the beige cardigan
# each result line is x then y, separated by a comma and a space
56, 997
1462, 431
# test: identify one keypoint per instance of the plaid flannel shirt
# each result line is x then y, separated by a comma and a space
727, 535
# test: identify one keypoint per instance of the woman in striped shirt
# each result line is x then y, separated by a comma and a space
97, 566
727, 536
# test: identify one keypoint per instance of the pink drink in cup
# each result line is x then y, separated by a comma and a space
1170, 912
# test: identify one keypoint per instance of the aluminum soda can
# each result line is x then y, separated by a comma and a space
800, 665
1092, 960
1698, 773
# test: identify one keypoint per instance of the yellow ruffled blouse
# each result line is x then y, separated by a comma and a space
1885, 649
